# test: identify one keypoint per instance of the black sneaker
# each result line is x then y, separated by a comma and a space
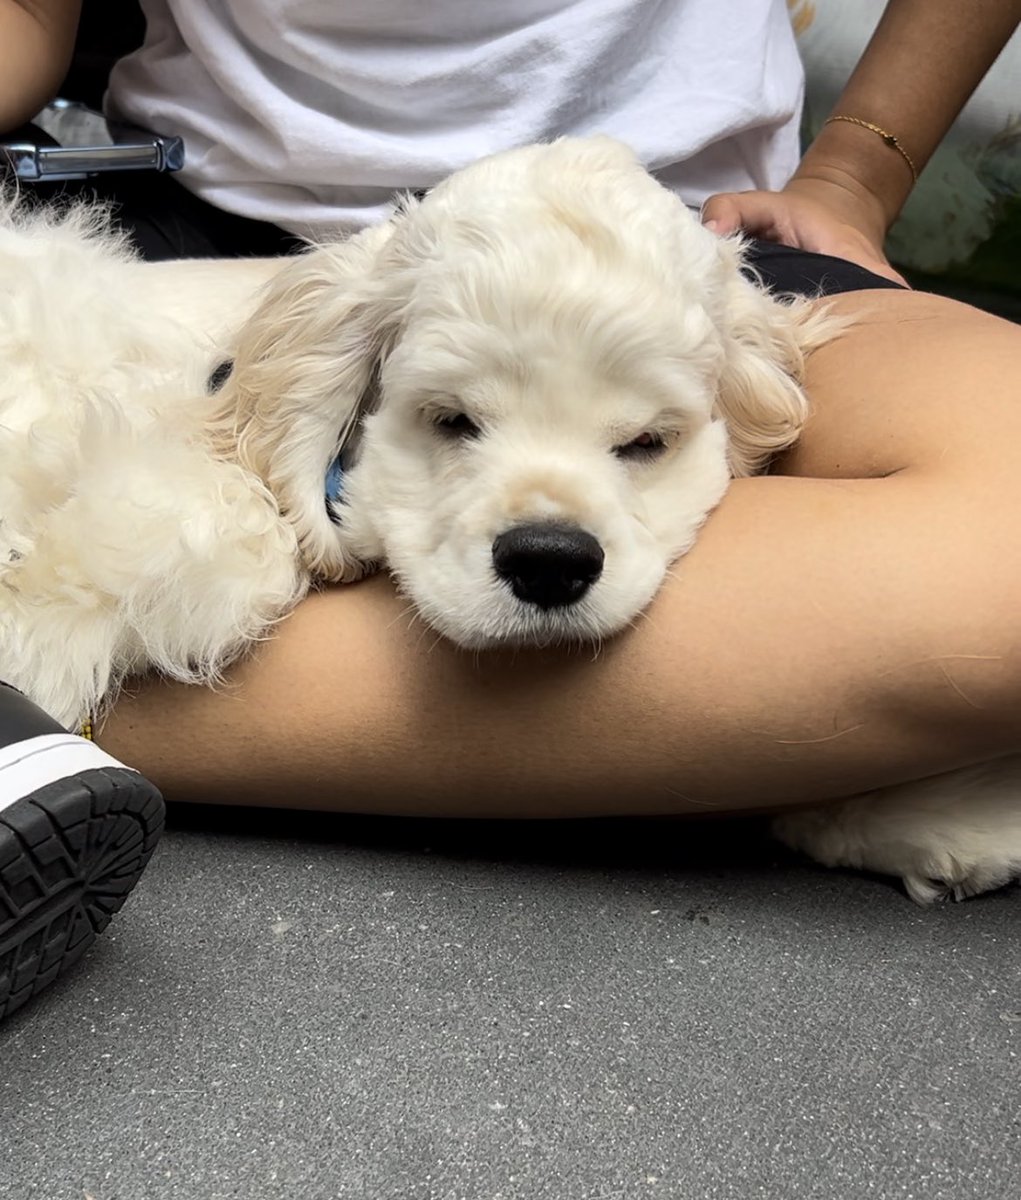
76, 830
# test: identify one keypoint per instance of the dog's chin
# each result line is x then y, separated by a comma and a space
529, 634
522, 626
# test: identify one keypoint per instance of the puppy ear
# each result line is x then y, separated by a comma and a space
302, 374
761, 397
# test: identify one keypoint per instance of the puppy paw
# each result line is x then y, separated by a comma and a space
955, 835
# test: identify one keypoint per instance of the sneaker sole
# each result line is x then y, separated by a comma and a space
72, 846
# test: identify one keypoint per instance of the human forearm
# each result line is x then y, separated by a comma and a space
36, 41
924, 61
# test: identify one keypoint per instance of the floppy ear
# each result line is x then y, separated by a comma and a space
302, 373
761, 397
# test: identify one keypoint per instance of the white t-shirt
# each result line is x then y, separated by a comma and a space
312, 113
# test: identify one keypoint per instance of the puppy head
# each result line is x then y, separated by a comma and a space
559, 371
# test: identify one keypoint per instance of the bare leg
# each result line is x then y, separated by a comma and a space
827, 634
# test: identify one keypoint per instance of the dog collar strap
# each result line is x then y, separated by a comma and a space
347, 444
334, 487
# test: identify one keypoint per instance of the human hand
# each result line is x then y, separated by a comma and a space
820, 215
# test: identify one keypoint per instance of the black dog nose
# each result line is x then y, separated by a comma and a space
550, 565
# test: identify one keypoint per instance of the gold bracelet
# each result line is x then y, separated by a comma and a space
888, 138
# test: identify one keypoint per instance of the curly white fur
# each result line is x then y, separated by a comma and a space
549, 306
125, 545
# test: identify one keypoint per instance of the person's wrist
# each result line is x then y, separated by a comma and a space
874, 176
848, 200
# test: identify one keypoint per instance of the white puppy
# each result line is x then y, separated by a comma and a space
557, 371
537, 383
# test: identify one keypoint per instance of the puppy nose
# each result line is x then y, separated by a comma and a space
550, 565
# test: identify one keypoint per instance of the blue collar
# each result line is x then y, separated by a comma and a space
347, 442
334, 487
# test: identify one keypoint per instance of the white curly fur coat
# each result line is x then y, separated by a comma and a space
125, 545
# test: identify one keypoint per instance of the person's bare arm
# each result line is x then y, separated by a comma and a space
918, 71
36, 41
916, 74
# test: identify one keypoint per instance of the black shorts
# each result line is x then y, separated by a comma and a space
165, 220
784, 269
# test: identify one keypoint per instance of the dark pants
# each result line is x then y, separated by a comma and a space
166, 221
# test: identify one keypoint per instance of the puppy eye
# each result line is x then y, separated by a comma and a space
457, 425
646, 445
